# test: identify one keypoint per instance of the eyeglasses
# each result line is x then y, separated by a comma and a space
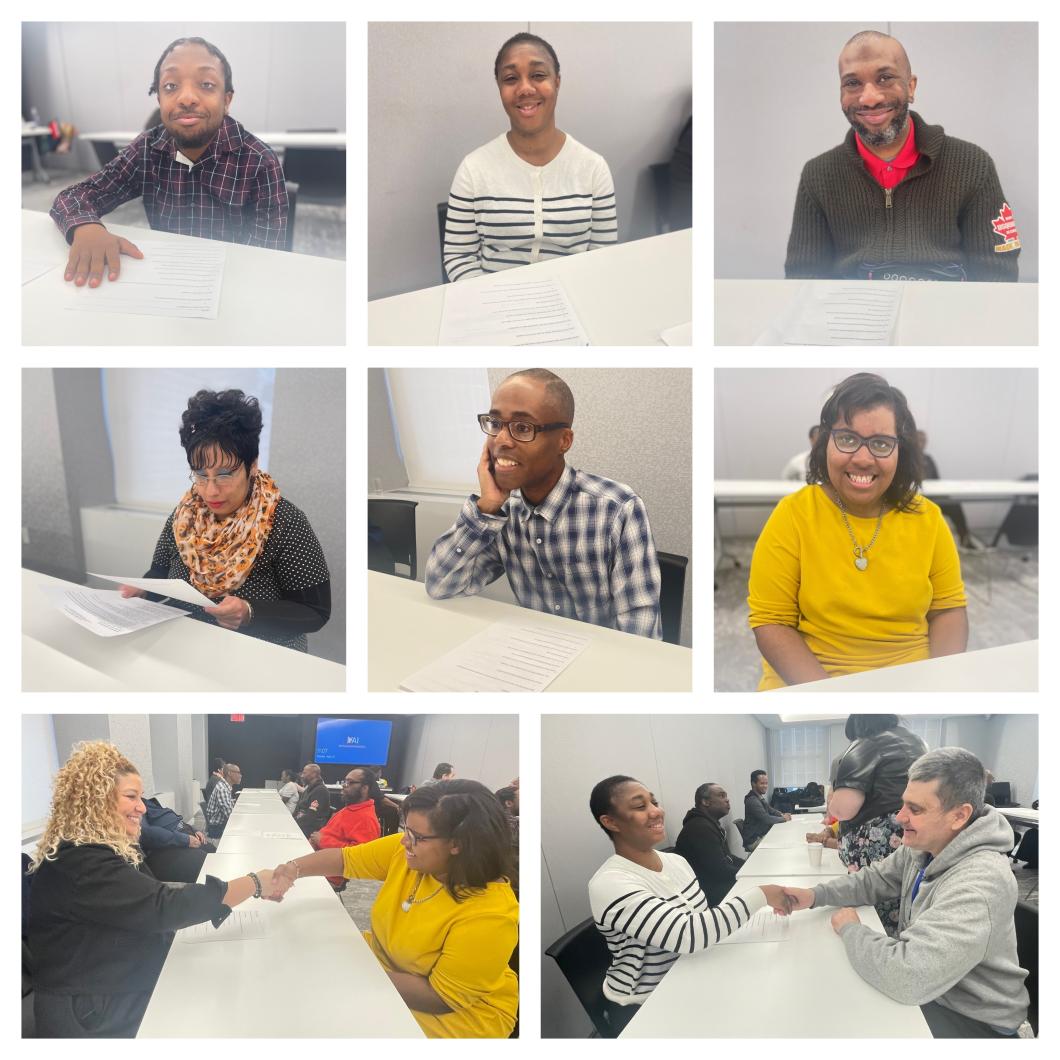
415, 837
880, 445
520, 430
353, 783
222, 478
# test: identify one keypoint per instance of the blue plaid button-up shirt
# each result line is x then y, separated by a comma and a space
584, 552
234, 192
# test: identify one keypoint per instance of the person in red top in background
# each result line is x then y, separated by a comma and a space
355, 823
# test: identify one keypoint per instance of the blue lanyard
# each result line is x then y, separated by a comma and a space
919, 877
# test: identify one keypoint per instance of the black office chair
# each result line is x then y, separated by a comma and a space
660, 185
583, 958
669, 850
292, 207
1026, 917
442, 209
1020, 525
672, 596
392, 536
29, 1027
321, 171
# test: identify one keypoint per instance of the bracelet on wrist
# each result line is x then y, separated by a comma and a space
250, 613
257, 883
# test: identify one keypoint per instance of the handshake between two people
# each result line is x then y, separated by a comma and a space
786, 900
275, 883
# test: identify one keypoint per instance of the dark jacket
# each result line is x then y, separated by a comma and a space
100, 928
758, 817
313, 810
702, 844
879, 766
161, 827
939, 223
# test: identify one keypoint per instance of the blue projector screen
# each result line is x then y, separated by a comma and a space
352, 741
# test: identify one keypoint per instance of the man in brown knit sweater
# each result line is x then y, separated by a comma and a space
898, 199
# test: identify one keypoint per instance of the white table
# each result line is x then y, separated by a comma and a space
790, 833
30, 133
268, 298
182, 655
273, 139
1009, 668
1020, 814
624, 295
931, 314
260, 988
783, 861
749, 493
407, 630
811, 991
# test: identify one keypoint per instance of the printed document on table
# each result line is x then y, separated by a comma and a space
509, 313
282, 835
838, 314
764, 926
173, 280
105, 613
34, 267
505, 657
239, 925
174, 588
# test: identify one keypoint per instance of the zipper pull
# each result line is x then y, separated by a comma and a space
887, 198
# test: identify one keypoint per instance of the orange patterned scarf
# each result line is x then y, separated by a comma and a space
220, 552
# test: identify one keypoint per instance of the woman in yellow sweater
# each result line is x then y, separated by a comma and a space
856, 571
445, 922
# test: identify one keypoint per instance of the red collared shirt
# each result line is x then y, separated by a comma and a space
890, 174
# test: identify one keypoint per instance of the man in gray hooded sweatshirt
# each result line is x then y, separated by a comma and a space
955, 954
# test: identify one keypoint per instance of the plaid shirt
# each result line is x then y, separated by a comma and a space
584, 552
220, 806
234, 192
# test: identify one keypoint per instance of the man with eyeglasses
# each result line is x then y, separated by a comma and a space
355, 823
570, 543
221, 803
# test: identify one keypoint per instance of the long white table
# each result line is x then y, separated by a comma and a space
268, 298
783, 861
931, 314
624, 295
407, 630
788, 834
802, 987
1020, 814
273, 139
739, 493
1008, 668
313, 976
182, 655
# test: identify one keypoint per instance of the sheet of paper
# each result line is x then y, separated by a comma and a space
678, 335
238, 926
172, 280
509, 313
34, 267
764, 926
838, 314
105, 613
176, 588
505, 657
282, 835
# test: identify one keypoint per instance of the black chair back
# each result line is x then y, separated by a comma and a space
392, 536
660, 186
292, 208
442, 208
1026, 917
583, 958
672, 596
320, 171
1020, 524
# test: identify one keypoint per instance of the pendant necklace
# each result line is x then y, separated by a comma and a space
409, 902
861, 561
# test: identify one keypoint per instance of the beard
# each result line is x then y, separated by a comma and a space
195, 140
884, 135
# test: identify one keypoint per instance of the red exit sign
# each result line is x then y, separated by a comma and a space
236, 717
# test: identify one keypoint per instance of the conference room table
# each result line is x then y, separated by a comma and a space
800, 987
931, 314
756, 493
1007, 668
407, 630
624, 295
1019, 814
30, 133
273, 139
785, 834
268, 297
180, 655
311, 976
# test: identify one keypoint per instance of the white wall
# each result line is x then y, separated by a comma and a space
982, 423
482, 747
432, 100
777, 106
672, 755
40, 762
1012, 754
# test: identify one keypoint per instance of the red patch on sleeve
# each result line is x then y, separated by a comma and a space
1005, 226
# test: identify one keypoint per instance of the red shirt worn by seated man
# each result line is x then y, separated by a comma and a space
890, 174
352, 824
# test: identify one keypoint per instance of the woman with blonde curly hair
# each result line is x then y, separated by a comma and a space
100, 924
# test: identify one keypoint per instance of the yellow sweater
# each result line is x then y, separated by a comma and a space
803, 576
462, 947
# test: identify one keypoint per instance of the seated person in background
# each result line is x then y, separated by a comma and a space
758, 815
100, 924
445, 921
703, 844
570, 543
955, 952
356, 822
795, 469
442, 771
856, 571
313, 809
953, 511
509, 800
290, 789
221, 803
648, 904
217, 766
812, 795
173, 850
200, 172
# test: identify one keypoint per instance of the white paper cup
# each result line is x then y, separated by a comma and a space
814, 850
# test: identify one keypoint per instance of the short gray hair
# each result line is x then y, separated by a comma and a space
960, 774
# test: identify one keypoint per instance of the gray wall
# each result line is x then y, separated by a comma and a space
480, 747
670, 754
761, 68
982, 423
289, 75
420, 127
1012, 753
385, 468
